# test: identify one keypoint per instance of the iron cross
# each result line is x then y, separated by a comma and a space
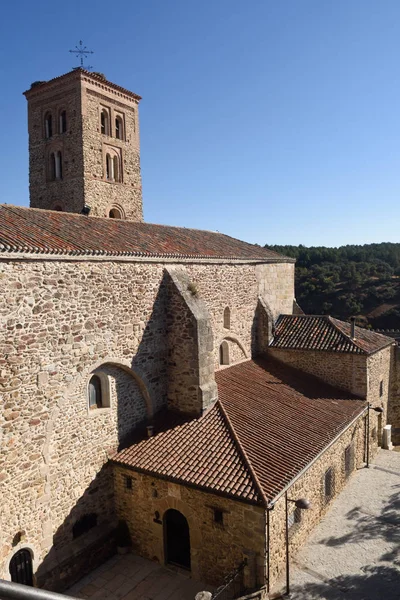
80, 53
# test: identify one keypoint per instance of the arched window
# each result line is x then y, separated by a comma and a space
104, 122
48, 125
63, 121
116, 168
21, 570
224, 353
227, 318
52, 167
58, 167
57, 207
109, 167
115, 214
95, 392
119, 128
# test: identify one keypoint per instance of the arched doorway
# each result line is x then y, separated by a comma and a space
177, 539
21, 567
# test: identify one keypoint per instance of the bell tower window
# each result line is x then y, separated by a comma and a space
48, 125
119, 128
63, 121
104, 122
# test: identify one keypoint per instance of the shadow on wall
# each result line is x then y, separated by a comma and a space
86, 537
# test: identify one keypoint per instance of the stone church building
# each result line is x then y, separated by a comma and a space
161, 381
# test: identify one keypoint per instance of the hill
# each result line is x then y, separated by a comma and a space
361, 281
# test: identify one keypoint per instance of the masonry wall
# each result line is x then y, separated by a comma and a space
216, 550
61, 321
68, 193
345, 371
311, 486
103, 195
394, 401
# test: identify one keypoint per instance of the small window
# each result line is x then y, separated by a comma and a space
227, 318
57, 207
224, 353
84, 524
294, 517
63, 121
52, 167
109, 167
381, 388
48, 125
104, 122
218, 516
128, 483
59, 165
115, 214
328, 484
119, 128
95, 392
374, 434
348, 461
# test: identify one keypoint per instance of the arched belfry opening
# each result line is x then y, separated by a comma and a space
224, 353
176, 539
21, 569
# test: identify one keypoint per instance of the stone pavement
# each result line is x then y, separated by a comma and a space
131, 577
354, 553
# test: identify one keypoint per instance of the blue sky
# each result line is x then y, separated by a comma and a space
274, 122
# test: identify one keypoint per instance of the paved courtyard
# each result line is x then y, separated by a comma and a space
354, 553
131, 577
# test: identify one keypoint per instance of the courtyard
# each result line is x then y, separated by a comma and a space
354, 552
131, 577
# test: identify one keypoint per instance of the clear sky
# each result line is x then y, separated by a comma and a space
272, 121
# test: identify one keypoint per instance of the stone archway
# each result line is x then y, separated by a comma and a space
21, 567
176, 539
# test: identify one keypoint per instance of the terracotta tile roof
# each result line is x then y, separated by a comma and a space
282, 417
75, 74
200, 452
38, 231
308, 332
269, 423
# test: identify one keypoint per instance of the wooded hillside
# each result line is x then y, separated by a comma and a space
362, 281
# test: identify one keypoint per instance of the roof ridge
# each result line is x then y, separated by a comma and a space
347, 337
245, 458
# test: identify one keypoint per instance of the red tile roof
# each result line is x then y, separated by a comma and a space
38, 231
200, 452
270, 422
308, 332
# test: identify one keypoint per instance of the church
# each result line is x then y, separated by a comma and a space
160, 388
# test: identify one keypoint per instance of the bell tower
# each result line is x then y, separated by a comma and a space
84, 150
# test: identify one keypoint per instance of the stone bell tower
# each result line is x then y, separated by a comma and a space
84, 146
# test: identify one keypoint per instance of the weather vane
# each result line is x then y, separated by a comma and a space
81, 53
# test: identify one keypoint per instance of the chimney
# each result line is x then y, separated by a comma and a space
353, 328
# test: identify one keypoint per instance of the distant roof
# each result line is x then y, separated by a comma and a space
308, 332
37, 231
39, 86
269, 423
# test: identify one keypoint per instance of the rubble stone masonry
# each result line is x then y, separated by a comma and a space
61, 321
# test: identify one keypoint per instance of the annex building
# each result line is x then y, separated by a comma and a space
159, 386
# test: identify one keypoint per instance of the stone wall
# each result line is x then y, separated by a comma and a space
61, 320
345, 371
311, 486
394, 403
216, 549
